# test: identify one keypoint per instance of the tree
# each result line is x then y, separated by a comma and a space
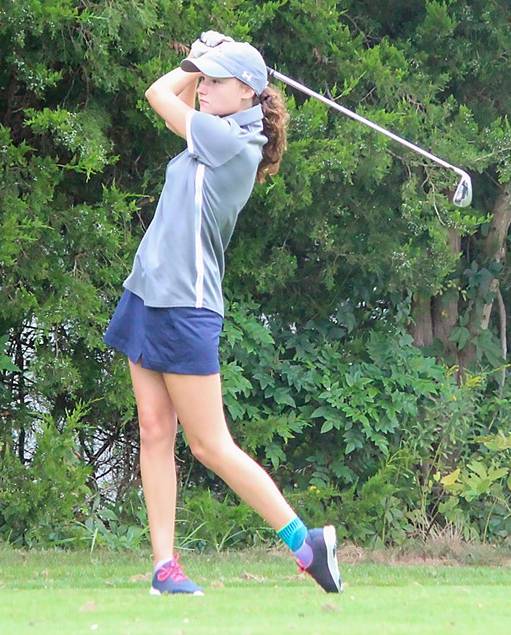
353, 238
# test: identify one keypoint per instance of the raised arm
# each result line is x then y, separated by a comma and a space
172, 96
188, 94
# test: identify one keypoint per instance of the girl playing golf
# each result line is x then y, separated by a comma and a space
170, 316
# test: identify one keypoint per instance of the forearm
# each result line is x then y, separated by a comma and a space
176, 82
187, 95
172, 96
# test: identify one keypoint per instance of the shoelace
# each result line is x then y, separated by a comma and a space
171, 569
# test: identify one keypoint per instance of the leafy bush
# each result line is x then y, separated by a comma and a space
321, 381
39, 501
207, 521
362, 430
116, 526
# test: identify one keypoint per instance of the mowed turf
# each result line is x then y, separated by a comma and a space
246, 593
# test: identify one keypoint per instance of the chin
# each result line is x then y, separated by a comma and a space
211, 110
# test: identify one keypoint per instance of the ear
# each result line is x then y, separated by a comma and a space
246, 91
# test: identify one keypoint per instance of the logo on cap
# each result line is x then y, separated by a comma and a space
246, 75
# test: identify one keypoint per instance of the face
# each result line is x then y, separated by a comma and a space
223, 96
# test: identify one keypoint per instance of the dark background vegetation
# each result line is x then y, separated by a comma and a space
364, 356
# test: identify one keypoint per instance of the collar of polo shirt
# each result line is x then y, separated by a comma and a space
244, 117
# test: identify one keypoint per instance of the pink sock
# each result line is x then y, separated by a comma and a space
304, 554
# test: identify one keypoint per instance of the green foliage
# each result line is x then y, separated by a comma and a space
40, 501
481, 484
209, 522
321, 381
117, 527
5, 360
355, 397
67, 129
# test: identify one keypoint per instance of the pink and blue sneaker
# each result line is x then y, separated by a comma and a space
318, 558
169, 578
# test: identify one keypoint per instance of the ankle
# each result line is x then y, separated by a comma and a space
161, 561
293, 534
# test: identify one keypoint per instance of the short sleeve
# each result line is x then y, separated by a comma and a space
213, 140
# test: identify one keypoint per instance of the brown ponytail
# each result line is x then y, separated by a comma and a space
275, 122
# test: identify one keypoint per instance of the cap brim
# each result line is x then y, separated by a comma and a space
203, 65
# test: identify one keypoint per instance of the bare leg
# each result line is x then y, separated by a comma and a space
158, 425
199, 406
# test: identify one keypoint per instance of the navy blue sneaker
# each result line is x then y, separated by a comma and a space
169, 578
324, 567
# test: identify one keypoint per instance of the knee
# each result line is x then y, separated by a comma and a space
156, 429
212, 453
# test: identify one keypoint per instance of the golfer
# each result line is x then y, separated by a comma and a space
170, 316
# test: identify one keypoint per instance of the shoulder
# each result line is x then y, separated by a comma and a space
214, 140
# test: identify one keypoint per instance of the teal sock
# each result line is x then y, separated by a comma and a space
293, 534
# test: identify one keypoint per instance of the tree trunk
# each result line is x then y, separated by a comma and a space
445, 307
434, 317
503, 334
494, 247
422, 326
493, 250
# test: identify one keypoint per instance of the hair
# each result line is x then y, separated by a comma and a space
275, 120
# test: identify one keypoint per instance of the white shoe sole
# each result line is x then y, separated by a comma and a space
333, 565
153, 591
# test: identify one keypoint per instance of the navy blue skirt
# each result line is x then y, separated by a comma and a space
183, 340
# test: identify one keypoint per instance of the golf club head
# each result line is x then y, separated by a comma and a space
463, 195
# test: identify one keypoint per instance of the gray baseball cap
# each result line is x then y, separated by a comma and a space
232, 59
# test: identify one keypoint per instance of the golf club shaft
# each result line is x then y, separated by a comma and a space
374, 126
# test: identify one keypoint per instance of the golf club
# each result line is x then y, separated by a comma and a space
463, 195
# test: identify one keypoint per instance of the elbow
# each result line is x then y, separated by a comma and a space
151, 92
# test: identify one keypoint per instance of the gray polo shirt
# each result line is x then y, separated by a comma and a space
180, 260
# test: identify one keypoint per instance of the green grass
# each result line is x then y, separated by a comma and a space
247, 593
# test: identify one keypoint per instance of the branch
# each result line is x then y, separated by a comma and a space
503, 338
494, 246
